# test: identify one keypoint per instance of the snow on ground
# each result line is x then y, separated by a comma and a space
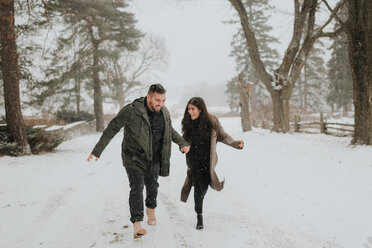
281, 191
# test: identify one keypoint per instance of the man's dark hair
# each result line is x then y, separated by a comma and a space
158, 88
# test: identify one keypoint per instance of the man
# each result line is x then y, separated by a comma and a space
146, 150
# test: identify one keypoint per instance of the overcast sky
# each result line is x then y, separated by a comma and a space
198, 40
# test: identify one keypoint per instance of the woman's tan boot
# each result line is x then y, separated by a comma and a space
138, 230
151, 219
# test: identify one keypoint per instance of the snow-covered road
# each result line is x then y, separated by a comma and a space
282, 191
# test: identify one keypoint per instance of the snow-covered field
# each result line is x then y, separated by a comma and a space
282, 190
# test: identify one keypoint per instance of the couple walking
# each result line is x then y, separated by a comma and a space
146, 150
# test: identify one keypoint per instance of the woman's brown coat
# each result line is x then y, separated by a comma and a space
217, 135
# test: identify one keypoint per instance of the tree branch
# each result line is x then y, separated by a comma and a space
294, 45
330, 34
334, 12
254, 55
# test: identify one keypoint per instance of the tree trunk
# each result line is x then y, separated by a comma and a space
244, 113
10, 71
253, 101
244, 92
360, 16
286, 113
121, 96
305, 88
77, 83
368, 26
77, 94
253, 78
97, 95
119, 82
278, 111
281, 111
301, 92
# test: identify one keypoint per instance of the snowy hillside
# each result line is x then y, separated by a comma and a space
281, 191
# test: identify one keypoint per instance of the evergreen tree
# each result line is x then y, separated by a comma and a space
309, 92
68, 70
94, 25
232, 92
340, 93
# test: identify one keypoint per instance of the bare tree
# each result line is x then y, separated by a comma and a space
126, 71
11, 75
281, 81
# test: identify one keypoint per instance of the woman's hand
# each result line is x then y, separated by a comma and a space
241, 145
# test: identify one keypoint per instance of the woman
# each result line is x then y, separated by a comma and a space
202, 130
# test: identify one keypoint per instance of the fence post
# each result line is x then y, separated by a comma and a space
322, 123
296, 124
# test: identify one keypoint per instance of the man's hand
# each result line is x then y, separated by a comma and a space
185, 149
90, 157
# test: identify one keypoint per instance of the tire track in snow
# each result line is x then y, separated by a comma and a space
59, 199
54, 204
274, 237
179, 230
257, 239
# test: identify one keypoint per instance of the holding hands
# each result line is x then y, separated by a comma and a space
185, 149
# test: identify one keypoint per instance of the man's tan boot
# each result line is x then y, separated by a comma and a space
138, 230
151, 219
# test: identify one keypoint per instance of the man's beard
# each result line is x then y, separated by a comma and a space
154, 109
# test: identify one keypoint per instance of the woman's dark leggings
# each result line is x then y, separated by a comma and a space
201, 181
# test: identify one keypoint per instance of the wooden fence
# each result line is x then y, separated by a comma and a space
322, 126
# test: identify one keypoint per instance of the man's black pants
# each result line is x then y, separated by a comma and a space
137, 180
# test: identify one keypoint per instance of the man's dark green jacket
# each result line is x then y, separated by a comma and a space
136, 147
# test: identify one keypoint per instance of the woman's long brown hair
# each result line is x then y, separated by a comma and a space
205, 122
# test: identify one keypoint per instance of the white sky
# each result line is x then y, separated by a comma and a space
198, 40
